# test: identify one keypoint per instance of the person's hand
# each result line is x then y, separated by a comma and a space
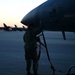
38, 39
41, 26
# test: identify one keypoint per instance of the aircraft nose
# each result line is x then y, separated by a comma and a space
31, 17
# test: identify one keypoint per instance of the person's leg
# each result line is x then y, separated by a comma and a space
35, 67
28, 66
28, 61
35, 62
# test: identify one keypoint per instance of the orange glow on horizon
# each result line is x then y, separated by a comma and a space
12, 24
12, 11
26, 26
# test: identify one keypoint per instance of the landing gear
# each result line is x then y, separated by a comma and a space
63, 33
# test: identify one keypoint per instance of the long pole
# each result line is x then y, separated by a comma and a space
48, 54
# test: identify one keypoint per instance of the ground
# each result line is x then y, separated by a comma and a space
12, 61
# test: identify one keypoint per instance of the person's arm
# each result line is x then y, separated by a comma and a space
38, 40
37, 30
24, 37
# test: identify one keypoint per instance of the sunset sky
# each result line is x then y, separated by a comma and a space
12, 11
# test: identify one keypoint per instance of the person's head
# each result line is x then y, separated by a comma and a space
30, 26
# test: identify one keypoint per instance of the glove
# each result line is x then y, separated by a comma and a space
38, 39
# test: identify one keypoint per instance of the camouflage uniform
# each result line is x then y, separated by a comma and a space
30, 46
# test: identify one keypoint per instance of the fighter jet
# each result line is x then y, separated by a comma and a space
20, 28
54, 15
8, 28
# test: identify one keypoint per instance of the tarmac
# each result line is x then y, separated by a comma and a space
12, 60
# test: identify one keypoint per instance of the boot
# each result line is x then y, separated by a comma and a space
29, 73
35, 74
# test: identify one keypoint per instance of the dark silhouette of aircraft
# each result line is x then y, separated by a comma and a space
20, 29
8, 28
54, 15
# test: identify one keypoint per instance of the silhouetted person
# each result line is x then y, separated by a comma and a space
30, 40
